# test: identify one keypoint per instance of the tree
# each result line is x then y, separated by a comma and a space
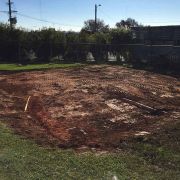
9, 42
98, 48
120, 35
127, 23
89, 26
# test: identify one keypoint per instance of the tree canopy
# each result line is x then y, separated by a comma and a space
89, 26
19, 45
129, 22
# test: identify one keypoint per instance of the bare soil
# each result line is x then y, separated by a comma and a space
88, 107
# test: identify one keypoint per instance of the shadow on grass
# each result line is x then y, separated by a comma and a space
161, 149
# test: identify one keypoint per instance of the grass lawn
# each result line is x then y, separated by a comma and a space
16, 67
23, 159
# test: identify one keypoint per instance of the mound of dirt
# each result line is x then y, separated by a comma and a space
93, 107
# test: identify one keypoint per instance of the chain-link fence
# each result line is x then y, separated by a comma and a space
24, 53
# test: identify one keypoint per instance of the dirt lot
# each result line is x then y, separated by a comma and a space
88, 107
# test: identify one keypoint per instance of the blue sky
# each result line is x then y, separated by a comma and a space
70, 14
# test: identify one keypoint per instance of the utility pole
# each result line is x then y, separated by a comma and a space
10, 13
95, 26
12, 20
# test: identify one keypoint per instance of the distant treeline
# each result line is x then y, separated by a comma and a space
117, 45
17, 44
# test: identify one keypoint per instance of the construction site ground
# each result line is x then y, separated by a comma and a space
97, 106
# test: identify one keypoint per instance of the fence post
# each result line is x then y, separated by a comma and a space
19, 52
51, 50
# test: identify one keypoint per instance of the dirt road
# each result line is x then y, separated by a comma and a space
94, 106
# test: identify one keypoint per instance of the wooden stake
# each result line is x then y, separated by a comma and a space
27, 103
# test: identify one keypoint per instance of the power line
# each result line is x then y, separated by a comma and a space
13, 19
71, 25
46, 21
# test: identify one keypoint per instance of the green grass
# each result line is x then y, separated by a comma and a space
16, 67
23, 159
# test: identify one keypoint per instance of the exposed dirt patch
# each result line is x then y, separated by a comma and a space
95, 106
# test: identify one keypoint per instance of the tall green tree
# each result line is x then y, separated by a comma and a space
120, 35
89, 26
127, 23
